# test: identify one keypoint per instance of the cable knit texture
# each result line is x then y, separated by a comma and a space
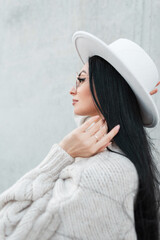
72, 198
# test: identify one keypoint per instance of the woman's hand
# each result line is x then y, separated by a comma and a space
155, 90
81, 142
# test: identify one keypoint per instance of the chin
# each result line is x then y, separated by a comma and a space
81, 113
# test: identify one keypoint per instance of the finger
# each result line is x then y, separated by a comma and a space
107, 137
154, 91
103, 130
103, 148
90, 121
95, 128
157, 84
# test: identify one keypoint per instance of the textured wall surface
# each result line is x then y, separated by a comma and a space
38, 64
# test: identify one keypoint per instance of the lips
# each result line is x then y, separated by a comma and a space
75, 101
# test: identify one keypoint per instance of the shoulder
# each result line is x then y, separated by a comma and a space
109, 162
110, 172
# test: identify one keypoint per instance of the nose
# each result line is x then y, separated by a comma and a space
73, 90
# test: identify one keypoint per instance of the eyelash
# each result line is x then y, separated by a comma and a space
81, 79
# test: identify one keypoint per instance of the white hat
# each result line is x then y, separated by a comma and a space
132, 62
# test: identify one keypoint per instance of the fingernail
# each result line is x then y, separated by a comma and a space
118, 127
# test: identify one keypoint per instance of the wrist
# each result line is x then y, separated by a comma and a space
63, 145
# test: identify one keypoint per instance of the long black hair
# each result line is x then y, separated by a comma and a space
118, 104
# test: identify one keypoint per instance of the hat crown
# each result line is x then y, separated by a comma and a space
138, 62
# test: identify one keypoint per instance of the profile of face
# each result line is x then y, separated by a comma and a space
85, 105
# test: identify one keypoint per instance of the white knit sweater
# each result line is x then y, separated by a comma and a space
72, 198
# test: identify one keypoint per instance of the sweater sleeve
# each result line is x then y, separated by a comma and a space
97, 204
36, 185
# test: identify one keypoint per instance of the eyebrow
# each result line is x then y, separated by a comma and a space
81, 72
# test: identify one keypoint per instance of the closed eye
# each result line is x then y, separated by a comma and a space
81, 79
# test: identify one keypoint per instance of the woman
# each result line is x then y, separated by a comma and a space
83, 190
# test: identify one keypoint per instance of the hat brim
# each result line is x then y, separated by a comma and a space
88, 45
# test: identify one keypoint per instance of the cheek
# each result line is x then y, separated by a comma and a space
86, 97
84, 93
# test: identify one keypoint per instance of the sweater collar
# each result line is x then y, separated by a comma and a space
79, 120
114, 147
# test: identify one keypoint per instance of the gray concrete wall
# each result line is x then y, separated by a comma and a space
38, 65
